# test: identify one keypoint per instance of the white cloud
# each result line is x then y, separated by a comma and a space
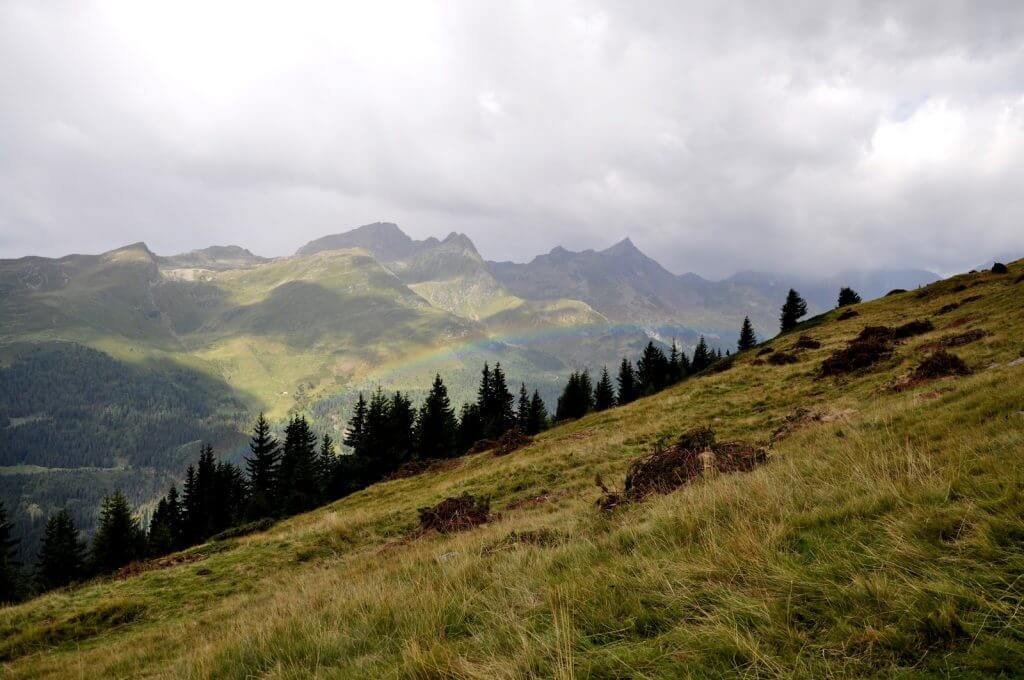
719, 135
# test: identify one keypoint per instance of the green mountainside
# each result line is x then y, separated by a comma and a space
97, 349
883, 536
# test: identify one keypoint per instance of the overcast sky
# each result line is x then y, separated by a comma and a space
718, 136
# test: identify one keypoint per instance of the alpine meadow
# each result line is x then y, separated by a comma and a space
679, 339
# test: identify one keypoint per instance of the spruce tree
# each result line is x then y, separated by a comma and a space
577, 397
747, 338
537, 421
627, 382
298, 483
165, 527
228, 504
523, 410
847, 297
62, 555
792, 310
651, 369
702, 356
375, 442
501, 414
437, 430
604, 393
198, 504
675, 370
401, 432
191, 507
118, 539
356, 425
261, 468
471, 427
9, 576
326, 462
485, 393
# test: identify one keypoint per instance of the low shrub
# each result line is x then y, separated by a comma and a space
455, 514
848, 314
807, 342
510, 441
858, 354
782, 358
1000, 268
912, 328
939, 365
696, 452
896, 291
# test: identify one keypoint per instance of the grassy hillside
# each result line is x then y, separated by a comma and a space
884, 537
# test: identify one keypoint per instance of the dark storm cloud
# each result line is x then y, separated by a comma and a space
720, 136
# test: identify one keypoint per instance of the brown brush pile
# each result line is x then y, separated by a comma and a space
764, 350
135, 568
939, 365
912, 328
960, 287
782, 358
667, 469
965, 338
510, 441
455, 514
859, 353
946, 309
872, 344
1019, 279
848, 314
807, 342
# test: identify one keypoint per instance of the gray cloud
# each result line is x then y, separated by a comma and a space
720, 136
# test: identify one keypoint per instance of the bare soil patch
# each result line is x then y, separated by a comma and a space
960, 339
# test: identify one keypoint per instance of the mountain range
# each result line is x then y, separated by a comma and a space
193, 344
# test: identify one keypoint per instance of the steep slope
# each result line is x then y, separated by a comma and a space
214, 258
881, 539
121, 365
627, 286
821, 292
452, 275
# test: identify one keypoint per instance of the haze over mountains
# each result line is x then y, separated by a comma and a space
197, 342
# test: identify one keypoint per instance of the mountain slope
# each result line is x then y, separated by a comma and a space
821, 292
452, 275
627, 286
882, 538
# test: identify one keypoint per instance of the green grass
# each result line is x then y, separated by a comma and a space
885, 540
